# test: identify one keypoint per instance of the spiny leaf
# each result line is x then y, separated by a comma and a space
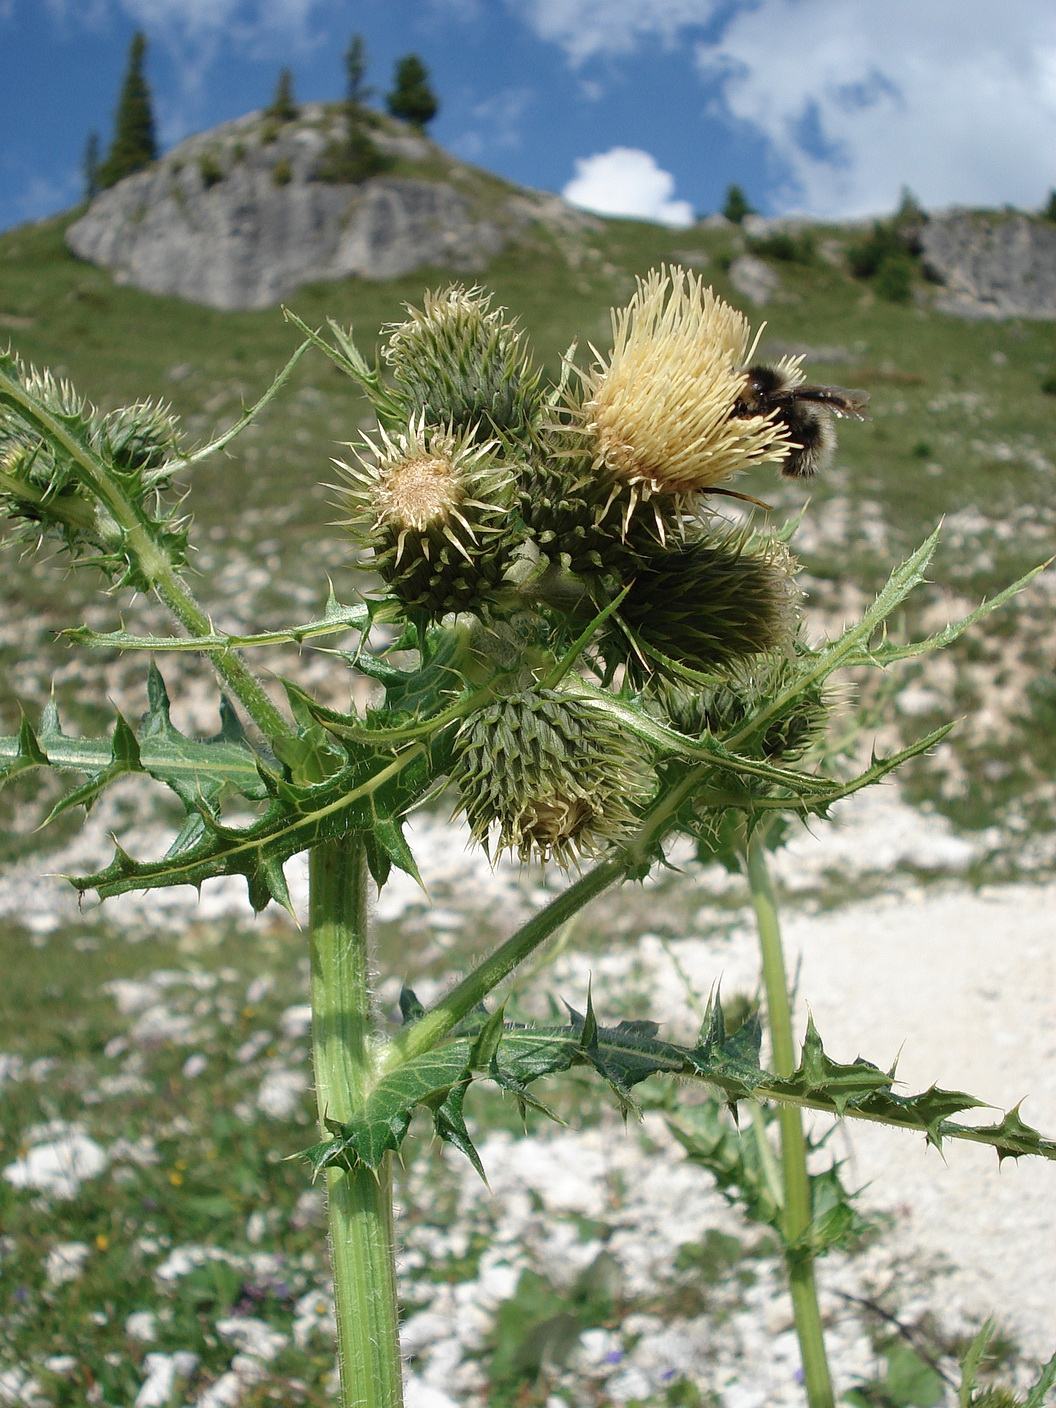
888, 653
337, 618
379, 1126
247, 417
731, 1158
841, 1083
124, 758
971, 1362
25, 753
297, 818
515, 1054
450, 1126
1046, 1379
410, 1007
816, 667
197, 770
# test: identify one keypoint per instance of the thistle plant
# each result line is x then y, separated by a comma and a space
582, 653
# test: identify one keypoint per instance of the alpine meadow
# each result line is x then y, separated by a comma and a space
473, 702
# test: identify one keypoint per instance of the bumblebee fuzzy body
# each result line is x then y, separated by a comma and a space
805, 411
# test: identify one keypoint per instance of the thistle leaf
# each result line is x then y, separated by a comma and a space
336, 619
297, 818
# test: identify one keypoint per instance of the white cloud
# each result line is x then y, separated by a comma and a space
626, 181
589, 28
956, 98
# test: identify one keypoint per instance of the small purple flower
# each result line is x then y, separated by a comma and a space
614, 1356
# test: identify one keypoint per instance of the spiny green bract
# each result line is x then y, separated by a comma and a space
711, 602
459, 363
583, 518
557, 779
720, 709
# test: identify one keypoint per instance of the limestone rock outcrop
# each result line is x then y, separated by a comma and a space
238, 217
993, 264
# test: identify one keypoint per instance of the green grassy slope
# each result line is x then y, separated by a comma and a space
961, 427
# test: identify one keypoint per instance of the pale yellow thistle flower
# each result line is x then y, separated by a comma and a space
660, 412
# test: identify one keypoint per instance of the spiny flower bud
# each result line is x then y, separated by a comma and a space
721, 709
436, 511
460, 364
140, 437
554, 777
713, 602
659, 415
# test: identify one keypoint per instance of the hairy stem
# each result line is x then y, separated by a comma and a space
360, 1201
797, 1209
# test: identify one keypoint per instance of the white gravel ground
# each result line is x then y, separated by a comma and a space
960, 987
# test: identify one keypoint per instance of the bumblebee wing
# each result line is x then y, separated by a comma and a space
841, 402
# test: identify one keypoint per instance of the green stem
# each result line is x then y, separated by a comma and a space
475, 986
461, 1000
360, 1201
797, 1210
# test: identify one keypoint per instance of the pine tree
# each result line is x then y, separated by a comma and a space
356, 68
91, 166
356, 158
283, 108
134, 145
411, 97
736, 207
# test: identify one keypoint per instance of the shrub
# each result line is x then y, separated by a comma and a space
209, 169
787, 247
282, 172
893, 280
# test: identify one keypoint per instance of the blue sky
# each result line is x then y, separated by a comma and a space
647, 107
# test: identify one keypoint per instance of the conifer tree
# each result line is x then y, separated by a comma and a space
356, 158
411, 97
283, 108
736, 207
356, 68
134, 145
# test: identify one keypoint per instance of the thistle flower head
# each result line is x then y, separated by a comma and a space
435, 509
659, 413
555, 779
459, 363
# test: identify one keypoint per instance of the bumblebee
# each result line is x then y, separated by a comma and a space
806, 412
